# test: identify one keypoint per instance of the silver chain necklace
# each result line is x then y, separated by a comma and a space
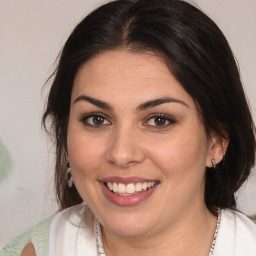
215, 234
101, 252
100, 249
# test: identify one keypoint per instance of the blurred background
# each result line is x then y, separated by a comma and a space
32, 33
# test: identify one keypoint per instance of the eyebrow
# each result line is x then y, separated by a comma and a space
156, 102
96, 102
141, 107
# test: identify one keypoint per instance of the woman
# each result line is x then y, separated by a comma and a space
153, 138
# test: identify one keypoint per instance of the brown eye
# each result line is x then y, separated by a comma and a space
160, 121
98, 120
95, 120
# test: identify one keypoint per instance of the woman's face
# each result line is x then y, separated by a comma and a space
136, 145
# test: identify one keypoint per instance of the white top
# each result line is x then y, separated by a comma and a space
71, 235
237, 235
72, 232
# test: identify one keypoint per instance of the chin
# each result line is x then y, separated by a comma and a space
129, 225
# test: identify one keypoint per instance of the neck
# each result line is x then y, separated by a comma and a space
191, 234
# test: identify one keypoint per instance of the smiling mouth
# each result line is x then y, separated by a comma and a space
129, 189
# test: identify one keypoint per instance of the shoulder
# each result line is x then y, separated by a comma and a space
72, 230
29, 250
245, 224
65, 232
241, 224
237, 235
78, 216
35, 239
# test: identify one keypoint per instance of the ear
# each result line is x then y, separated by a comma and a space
217, 148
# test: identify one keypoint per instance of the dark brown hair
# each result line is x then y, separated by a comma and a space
199, 57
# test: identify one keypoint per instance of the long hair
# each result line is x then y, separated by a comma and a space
199, 57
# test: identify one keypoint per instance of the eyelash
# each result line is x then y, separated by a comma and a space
164, 117
85, 119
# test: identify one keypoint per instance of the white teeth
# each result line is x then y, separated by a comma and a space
131, 188
144, 185
110, 186
115, 188
138, 187
121, 188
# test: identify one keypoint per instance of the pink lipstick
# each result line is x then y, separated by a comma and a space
128, 191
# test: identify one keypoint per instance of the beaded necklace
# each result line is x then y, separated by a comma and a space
101, 252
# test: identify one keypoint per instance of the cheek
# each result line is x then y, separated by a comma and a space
85, 152
181, 155
85, 156
181, 161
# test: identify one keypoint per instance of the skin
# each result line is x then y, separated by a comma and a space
29, 250
129, 142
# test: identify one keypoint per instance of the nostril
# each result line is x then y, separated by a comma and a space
123, 164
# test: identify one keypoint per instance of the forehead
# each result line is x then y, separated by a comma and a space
122, 74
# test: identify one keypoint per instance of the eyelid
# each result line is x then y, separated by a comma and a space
87, 116
170, 119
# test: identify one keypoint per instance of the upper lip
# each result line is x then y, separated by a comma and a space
126, 180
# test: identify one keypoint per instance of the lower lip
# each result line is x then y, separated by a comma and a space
128, 200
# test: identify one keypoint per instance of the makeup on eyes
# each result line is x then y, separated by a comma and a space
155, 121
95, 119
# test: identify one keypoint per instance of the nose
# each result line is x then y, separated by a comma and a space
125, 148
